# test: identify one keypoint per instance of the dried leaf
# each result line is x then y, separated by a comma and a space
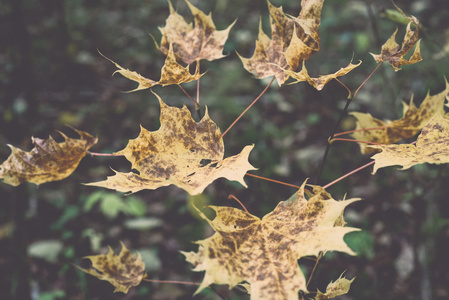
431, 147
409, 125
265, 252
292, 42
171, 73
192, 44
174, 73
47, 161
144, 83
392, 53
321, 81
339, 287
182, 152
123, 271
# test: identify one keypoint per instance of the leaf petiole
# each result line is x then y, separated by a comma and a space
272, 180
348, 174
252, 103
358, 130
236, 199
102, 154
196, 103
171, 281
351, 140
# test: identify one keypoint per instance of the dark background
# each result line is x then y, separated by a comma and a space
51, 75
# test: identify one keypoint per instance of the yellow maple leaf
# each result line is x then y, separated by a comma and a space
190, 43
409, 125
171, 73
392, 53
47, 161
338, 287
431, 147
182, 152
293, 40
265, 252
321, 81
123, 271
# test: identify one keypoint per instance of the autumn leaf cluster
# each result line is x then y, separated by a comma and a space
259, 254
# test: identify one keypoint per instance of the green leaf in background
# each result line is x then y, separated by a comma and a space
111, 204
53, 295
47, 250
143, 223
95, 238
151, 259
362, 242
69, 213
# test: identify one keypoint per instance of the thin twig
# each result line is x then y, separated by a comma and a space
197, 105
328, 146
337, 125
255, 100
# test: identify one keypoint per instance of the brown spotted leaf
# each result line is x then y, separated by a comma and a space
431, 147
392, 53
190, 43
123, 271
409, 125
47, 161
182, 152
339, 287
321, 81
171, 73
293, 40
265, 252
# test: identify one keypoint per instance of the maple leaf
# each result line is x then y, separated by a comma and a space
409, 125
338, 287
392, 53
171, 73
123, 271
182, 152
431, 147
321, 81
47, 161
192, 44
293, 40
265, 252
